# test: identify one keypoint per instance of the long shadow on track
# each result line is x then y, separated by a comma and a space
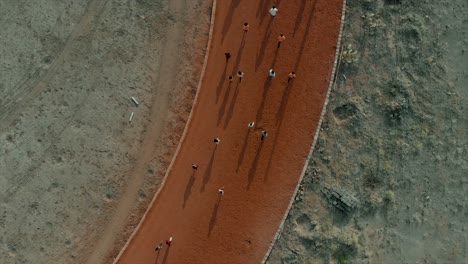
232, 105
266, 87
166, 255
228, 20
157, 257
222, 107
279, 122
244, 148
299, 17
262, 9
253, 169
209, 169
238, 56
222, 79
214, 216
304, 39
188, 189
265, 41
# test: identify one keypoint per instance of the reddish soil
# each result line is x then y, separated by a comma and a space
259, 176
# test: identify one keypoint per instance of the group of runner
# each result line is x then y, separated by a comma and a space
271, 74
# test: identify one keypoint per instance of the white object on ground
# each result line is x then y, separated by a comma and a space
135, 101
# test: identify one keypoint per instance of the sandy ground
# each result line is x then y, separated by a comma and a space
394, 140
67, 151
259, 177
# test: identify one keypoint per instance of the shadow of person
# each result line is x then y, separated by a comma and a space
188, 188
209, 169
157, 257
222, 107
274, 59
236, 63
166, 255
270, 159
306, 34
258, 117
253, 169
262, 9
214, 216
265, 41
222, 79
283, 104
244, 147
232, 105
279, 123
228, 19
299, 16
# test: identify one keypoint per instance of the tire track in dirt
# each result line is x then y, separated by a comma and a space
29, 175
93, 10
56, 134
34, 82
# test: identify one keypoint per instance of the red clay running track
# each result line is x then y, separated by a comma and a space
259, 177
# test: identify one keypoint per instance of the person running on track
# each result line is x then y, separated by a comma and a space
240, 75
169, 242
228, 56
246, 27
281, 38
271, 74
291, 76
273, 11
159, 246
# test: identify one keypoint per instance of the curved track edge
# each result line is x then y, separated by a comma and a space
182, 139
309, 156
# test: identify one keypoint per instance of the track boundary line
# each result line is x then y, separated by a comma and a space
182, 139
324, 110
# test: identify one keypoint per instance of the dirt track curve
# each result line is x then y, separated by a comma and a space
259, 176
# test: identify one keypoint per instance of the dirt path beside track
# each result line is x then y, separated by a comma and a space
259, 176
75, 174
165, 80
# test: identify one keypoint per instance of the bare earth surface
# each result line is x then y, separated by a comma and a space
394, 140
259, 176
67, 151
